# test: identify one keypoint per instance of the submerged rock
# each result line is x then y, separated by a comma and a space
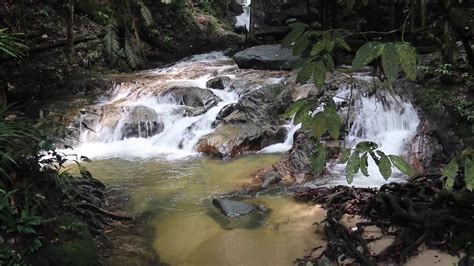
267, 57
232, 208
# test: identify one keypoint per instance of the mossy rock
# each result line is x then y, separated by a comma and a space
79, 250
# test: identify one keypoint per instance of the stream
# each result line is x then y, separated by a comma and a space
142, 138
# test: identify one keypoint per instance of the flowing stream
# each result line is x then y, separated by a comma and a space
143, 139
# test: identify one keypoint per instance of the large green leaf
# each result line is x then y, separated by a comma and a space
318, 124
408, 59
352, 166
305, 73
385, 167
295, 107
401, 165
301, 45
342, 43
318, 163
333, 122
344, 156
366, 54
450, 173
292, 37
469, 173
319, 74
365, 146
318, 47
390, 61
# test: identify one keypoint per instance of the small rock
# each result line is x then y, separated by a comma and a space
232, 208
270, 178
218, 83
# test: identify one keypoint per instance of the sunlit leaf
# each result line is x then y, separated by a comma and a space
319, 74
390, 61
408, 59
385, 167
365, 146
352, 166
450, 173
366, 54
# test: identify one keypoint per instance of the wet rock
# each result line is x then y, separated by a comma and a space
270, 178
192, 96
218, 83
226, 111
142, 129
253, 123
267, 57
232, 208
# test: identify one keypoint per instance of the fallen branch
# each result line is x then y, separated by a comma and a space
61, 43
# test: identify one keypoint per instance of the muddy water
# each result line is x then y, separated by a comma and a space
177, 196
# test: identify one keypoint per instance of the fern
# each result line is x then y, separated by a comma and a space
111, 39
145, 13
132, 54
11, 45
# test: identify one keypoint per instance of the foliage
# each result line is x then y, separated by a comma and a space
122, 38
11, 45
466, 158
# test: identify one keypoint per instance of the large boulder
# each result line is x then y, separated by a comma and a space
267, 57
251, 124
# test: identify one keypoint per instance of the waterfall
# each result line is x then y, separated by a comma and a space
164, 112
288, 143
244, 18
386, 119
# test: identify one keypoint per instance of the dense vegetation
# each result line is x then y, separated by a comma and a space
42, 203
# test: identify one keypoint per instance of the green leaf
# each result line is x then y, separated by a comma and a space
292, 37
295, 107
318, 125
401, 165
318, 163
319, 74
366, 54
318, 47
352, 166
298, 24
390, 61
408, 59
333, 122
302, 116
450, 173
328, 62
363, 164
342, 43
305, 73
344, 156
469, 173
366, 146
385, 167
301, 45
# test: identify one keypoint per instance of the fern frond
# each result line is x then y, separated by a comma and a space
111, 40
145, 12
132, 55
11, 45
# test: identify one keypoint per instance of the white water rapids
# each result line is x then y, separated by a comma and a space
124, 124
244, 18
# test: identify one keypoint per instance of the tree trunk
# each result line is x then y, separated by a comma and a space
412, 15
70, 28
447, 51
423, 15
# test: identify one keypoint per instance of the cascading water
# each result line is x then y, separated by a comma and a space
165, 112
388, 120
244, 18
